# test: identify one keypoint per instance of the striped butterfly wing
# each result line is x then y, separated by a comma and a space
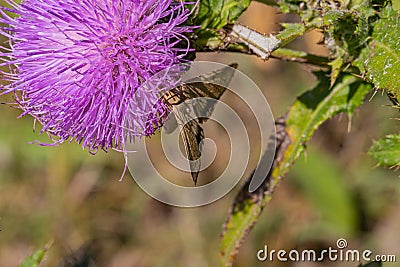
211, 85
192, 136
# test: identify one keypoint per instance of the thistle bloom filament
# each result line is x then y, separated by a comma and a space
75, 65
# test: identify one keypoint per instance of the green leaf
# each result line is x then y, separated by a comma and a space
289, 6
396, 4
291, 31
320, 104
336, 66
387, 150
35, 259
210, 39
212, 16
215, 14
348, 31
308, 112
380, 59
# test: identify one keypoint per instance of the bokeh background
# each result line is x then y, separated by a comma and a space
74, 201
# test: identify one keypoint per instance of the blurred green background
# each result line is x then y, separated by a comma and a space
74, 200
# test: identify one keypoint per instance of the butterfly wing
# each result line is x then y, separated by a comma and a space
192, 135
211, 85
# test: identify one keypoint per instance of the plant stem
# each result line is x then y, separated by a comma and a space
300, 57
242, 39
285, 54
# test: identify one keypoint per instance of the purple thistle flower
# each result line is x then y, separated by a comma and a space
77, 66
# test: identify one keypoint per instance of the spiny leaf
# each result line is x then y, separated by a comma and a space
380, 60
291, 31
308, 112
320, 104
348, 30
336, 66
387, 150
